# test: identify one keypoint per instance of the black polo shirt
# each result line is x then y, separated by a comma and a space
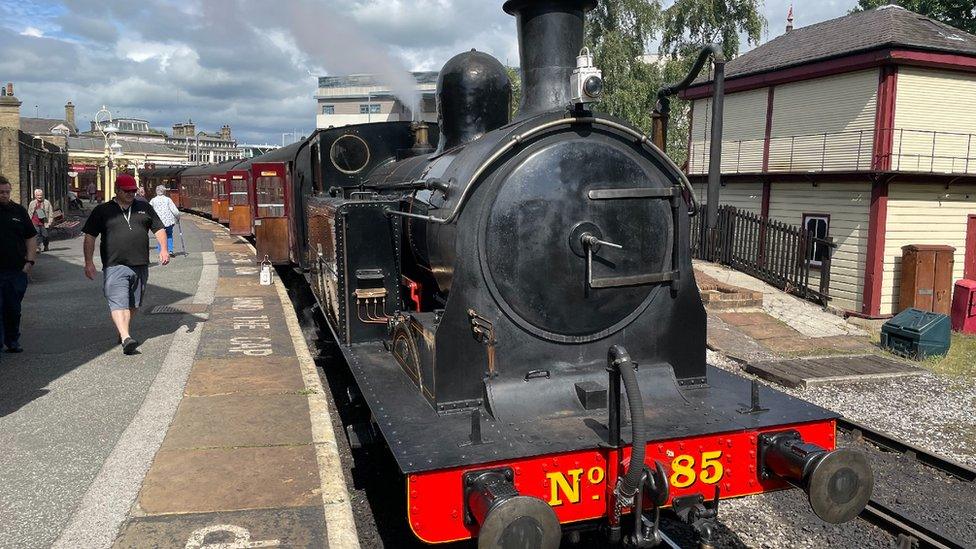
15, 229
123, 240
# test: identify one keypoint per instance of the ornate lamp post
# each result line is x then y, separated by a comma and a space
103, 121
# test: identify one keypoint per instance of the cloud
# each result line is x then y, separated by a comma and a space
248, 63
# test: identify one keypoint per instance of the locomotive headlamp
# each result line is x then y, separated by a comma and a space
587, 80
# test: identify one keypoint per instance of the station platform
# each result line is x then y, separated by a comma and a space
216, 435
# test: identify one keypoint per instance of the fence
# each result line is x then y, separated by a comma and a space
786, 256
853, 150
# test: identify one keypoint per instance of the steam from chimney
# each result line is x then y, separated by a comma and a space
341, 47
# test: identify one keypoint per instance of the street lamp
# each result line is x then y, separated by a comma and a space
103, 121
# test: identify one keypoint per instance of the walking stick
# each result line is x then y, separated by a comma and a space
182, 242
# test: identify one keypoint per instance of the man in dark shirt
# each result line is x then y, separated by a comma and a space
123, 223
18, 249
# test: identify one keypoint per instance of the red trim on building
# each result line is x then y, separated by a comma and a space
769, 127
766, 193
884, 121
934, 60
884, 118
874, 264
969, 267
794, 74
838, 65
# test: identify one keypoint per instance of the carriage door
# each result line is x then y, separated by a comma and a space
271, 225
239, 211
215, 201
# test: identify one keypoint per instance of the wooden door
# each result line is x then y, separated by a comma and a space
969, 270
942, 281
271, 239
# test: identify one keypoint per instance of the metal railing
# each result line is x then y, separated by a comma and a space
918, 151
781, 254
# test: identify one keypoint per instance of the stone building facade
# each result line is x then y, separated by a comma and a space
28, 161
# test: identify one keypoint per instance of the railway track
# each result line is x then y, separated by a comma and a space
909, 532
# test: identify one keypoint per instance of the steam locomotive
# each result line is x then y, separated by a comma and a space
492, 295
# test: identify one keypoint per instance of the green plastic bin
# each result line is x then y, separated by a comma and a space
916, 334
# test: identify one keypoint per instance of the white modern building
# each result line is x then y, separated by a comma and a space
363, 98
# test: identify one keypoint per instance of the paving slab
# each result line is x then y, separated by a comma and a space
243, 286
230, 479
744, 318
246, 335
793, 345
239, 420
767, 330
295, 527
806, 372
250, 375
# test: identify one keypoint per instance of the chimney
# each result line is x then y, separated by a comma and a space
550, 37
225, 132
789, 19
69, 115
9, 109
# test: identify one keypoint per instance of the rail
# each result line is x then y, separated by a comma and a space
909, 531
912, 150
784, 255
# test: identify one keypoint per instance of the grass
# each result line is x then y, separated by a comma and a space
961, 359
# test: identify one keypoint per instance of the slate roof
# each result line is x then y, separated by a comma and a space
41, 126
131, 147
887, 26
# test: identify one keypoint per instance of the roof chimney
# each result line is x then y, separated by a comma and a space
789, 19
9, 109
69, 115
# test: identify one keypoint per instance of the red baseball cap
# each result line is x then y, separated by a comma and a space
125, 182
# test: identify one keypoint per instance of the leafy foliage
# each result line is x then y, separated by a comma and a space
619, 32
516, 78
958, 13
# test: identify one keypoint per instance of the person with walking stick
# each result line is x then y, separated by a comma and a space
168, 213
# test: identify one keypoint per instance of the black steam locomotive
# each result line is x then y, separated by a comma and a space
491, 296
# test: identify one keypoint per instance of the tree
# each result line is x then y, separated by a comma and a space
516, 78
617, 31
958, 13
620, 30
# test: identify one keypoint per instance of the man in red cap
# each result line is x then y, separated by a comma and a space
123, 223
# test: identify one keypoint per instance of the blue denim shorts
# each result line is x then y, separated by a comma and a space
125, 286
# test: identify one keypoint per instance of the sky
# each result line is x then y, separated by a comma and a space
252, 64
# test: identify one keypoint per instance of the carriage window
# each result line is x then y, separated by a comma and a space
271, 197
819, 225
238, 192
349, 154
369, 108
328, 109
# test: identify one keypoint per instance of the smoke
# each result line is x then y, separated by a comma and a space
336, 44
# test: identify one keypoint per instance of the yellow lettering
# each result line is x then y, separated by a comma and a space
684, 471
595, 475
570, 489
711, 467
